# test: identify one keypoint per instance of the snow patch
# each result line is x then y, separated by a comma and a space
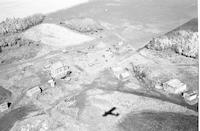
55, 35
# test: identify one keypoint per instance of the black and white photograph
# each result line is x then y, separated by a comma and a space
99, 65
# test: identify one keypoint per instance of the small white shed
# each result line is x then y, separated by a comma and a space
117, 71
33, 91
120, 73
125, 75
4, 107
52, 82
190, 97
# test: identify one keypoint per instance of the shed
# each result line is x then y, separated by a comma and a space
117, 71
190, 97
4, 107
120, 43
174, 86
33, 91
158, 86
52, 82
124, 75
120, 73
47, 67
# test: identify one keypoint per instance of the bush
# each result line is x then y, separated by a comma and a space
13, 41
83, 25
19, 24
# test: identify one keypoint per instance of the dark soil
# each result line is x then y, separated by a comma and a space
9, 119
159, 121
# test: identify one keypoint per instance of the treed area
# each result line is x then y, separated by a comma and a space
10, 31
183, 40
19, 24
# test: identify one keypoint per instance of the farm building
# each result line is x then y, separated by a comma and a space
4, 106
120, 43
120, 73
190, 97
33, 91
174, 86
52, 82
116, 71
59, 70
124, 75
47, 67
158, 87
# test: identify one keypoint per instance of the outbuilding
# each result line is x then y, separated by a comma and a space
190, 97
52, 82
157, 86
125, 75
4, 106
116, 71
120, 73
174, 86
33, 91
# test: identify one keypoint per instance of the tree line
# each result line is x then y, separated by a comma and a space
15, 25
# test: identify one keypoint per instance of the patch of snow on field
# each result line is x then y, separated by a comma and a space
55, 35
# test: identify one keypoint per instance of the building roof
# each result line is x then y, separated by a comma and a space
125, 74
175, 83
3, 106
57, 65
33, 90
117, 69
190, 93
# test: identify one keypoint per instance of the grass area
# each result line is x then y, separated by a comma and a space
4, 94
159, 121
19, 53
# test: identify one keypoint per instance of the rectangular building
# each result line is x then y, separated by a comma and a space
33, 91
174, 86
59, 70
4, 107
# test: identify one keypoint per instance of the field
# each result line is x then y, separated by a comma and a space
114, 53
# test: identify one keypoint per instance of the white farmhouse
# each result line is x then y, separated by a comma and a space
59, 70
174, 86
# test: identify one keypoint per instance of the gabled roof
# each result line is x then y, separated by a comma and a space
57, 65
175, 83
117, 69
